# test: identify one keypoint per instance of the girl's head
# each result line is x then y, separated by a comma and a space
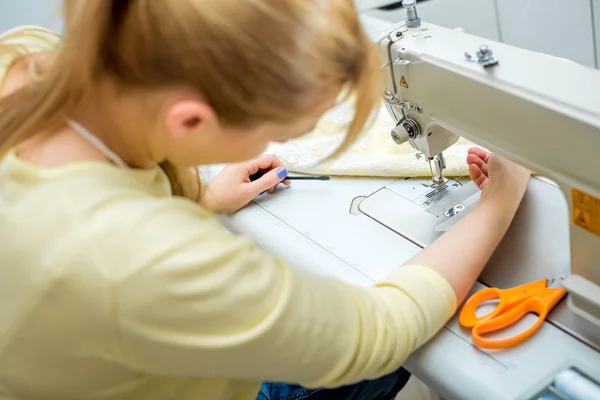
207, 81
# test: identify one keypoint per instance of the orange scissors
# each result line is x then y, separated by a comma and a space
534, 297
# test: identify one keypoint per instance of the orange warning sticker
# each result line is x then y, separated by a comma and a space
586, 211
403, 82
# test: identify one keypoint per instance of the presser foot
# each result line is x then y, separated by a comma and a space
437, 179
436, 182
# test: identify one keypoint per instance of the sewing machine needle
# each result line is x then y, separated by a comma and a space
430, 169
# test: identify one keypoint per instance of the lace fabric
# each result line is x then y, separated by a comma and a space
374, 154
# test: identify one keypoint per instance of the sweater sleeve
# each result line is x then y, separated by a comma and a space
204, 302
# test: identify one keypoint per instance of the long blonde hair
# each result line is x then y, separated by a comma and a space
265, 61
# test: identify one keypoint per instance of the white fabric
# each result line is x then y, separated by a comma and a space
374, 154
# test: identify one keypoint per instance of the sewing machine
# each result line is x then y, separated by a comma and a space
435, 82
530, 116
539, 111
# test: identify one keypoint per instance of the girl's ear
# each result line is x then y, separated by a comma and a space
187, 116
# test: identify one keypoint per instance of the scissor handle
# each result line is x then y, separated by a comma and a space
508, 298
468, 315
540, 304
507, 319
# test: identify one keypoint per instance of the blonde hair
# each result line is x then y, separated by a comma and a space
253, 60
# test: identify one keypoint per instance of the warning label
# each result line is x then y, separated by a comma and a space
586, 211
403, 82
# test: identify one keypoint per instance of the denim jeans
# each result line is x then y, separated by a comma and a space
385, 388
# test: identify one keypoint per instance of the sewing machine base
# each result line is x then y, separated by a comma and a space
536, 245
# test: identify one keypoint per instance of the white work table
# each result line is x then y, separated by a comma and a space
312, 225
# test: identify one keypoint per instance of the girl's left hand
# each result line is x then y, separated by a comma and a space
232, 188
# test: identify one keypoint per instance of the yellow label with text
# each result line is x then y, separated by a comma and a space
586, 211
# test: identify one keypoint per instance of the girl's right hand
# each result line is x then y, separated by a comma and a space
497, 178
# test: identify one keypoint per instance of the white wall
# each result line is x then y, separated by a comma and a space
477, 17
596, 13
44, 13
557, 27
562, 28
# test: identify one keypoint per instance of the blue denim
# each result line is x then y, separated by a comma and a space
385, 388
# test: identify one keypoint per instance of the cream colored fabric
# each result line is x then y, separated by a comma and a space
374, 154
110, 288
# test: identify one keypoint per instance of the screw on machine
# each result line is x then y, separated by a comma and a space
485, 57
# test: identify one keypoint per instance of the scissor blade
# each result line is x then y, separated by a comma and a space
556, 281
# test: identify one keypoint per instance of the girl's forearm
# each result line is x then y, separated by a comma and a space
461, 253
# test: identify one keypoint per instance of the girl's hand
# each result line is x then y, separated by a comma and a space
497, 177
232, 188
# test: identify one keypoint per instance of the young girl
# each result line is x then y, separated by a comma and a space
116, 279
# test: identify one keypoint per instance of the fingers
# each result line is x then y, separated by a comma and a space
481, 164
481, 153
480, 157
478, 168
478, 176
268, 182
266, 162
263, 162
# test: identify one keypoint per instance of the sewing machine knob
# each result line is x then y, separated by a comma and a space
412, 17
406, 129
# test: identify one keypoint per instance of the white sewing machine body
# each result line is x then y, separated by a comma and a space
516, 103
537, 110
